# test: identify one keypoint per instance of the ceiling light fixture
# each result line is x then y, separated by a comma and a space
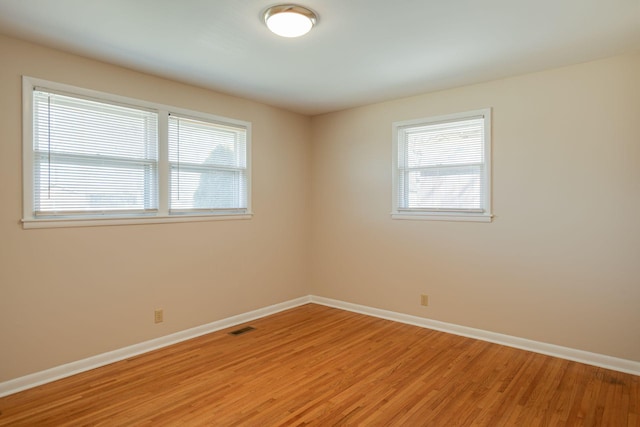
290, 20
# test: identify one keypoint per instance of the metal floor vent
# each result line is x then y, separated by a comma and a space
242, 330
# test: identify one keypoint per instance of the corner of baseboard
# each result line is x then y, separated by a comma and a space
66, 370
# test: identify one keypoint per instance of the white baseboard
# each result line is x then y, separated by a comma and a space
58, 372
62, 371
595, 359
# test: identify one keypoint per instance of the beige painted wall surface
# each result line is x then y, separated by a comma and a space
561, 261
67, 294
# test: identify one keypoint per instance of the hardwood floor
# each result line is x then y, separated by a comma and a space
315, 365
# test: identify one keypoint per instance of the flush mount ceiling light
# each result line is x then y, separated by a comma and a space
290, 20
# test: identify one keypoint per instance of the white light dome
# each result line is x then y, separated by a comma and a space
289, 20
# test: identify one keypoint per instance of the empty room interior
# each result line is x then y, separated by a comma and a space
416, 213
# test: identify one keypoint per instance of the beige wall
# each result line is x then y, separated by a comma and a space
559, 264
66, 294
561, 261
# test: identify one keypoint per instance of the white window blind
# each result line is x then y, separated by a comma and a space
442, 165
208, 166
92, 158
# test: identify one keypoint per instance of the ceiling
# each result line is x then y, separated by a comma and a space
361, 51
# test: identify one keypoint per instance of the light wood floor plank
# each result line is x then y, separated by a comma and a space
315, 365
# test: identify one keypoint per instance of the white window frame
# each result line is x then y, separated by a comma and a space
163, 215
443, 215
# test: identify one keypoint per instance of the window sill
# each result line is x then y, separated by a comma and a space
97, 222
422, 216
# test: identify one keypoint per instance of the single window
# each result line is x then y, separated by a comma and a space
92, 158
208, 166
442, 167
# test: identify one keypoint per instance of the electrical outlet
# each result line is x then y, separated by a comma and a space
424, 299
158, 316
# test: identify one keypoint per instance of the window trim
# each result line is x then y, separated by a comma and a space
29, 220
443, 215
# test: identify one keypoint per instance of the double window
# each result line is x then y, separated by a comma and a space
442, 168
93, 158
